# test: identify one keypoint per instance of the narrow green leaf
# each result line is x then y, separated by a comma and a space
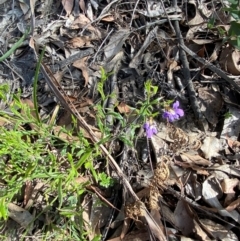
35, 85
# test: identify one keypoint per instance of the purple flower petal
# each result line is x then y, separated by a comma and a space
146, 126
176, 105
150, 129
173, 114
180, 112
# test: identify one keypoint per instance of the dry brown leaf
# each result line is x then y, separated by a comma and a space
109, 18
27, 191
198, 169
196, 159
68, 6
210, 103
123, 108
233, 205
58, 75
81, 64
83, 22
125, 227
229, 61
78, 42
172, 66
82, 5
81, 179
228, 186
24, 6
86, 215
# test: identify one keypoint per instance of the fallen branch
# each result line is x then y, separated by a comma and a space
187, 77
210, 66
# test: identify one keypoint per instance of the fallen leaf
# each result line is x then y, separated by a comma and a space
123, 108
228, 186
217, 230
210, 104
231, 127
233, 205
172, 66
196, 159
211, 146
116, 42
81, 64
229, 60
210, 193
198, 169
109, 18
68, 6
182, 213
82, 5
78, 42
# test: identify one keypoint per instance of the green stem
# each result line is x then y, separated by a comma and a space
15, 46
35, 85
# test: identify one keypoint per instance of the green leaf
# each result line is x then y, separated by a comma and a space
83, 159
210, 23
104, 180
35, 85
60, 192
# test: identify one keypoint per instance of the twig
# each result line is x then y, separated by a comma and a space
134, 10
186, 73
210, 66
164, 9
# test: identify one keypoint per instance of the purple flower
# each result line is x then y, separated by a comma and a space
150, 129
174, 113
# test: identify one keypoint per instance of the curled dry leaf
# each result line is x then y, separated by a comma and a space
229, 61
193, 187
